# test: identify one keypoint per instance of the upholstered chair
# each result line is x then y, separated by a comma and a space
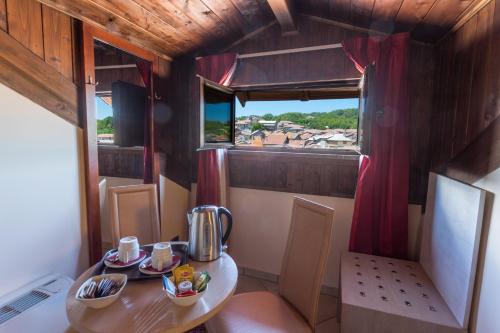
133, 211
295, 307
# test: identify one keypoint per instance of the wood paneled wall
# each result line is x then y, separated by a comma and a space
37, 55
126, 162
184, 99
467, 93
334, 64
296, 67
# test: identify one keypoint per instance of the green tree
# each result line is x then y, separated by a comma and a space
268, 116
256, 127
105, 126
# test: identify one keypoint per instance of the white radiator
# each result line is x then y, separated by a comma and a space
38, 307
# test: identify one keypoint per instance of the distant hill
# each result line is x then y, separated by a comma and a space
344, 118
105, 126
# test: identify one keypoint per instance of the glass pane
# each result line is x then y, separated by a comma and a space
218, 116
324, 124
105, 130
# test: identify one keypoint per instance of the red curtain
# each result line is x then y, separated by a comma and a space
145, 71
208, 183
218, 68
380, 219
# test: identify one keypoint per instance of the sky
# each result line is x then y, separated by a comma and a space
103, 110
259, 108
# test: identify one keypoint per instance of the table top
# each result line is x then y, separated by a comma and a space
143, 306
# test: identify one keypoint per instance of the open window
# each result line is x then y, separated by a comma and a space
217, 115
307, 117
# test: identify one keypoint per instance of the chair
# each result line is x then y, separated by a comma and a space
133, 211
295, 308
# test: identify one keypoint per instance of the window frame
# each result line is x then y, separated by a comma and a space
203, 144
339, 84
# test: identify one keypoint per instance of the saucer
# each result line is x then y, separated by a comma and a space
146, 268
110, 262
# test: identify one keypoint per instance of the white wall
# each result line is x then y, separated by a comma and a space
173, 207
487, 294
262, 221
42, 215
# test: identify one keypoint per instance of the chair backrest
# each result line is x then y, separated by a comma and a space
133, 211
305, 257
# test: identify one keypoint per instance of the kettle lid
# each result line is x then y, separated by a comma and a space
204, 208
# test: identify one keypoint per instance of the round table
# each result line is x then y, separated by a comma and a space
143, 306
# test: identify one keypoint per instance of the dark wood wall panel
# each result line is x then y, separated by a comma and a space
24, 19
183, 102
3, 16
334, 64
121, 162
467, 94
37, 56
35, 79
420, 87
319, 174
58, 41
296, 67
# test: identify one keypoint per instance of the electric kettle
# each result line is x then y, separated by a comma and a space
206, 240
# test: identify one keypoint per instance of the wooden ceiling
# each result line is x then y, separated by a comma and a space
428, 20
175, 27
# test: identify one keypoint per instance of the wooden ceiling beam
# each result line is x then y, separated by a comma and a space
93, 14
284, 10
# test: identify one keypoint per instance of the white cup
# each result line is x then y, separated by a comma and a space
128, 249
161, 256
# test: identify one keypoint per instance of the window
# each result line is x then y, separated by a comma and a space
316, 118
320, 123
218, 115
105, 130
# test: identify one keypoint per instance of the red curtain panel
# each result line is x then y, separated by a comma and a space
218, 68
208, 183
144, 68
380, 219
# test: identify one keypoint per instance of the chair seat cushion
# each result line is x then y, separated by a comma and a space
258, 312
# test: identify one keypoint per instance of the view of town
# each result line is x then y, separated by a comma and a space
335, 129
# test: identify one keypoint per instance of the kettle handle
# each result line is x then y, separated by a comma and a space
224, 211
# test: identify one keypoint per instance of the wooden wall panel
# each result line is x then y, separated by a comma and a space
319, 174
467, 94
37, 57
3, 16
25, 24
121, 162
334, 64
297, 67
420, 87
32, 77
58, 41
184, 102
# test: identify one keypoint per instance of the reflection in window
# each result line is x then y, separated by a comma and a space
218, 116
105, 130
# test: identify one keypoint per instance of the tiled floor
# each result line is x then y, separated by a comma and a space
327, 321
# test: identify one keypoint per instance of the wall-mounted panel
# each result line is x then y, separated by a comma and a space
58, 41
24, 19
